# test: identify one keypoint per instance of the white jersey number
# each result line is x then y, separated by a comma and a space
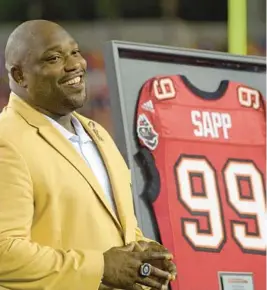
253, 208
164, 89
208, 204
249, 98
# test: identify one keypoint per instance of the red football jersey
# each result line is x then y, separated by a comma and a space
207, 166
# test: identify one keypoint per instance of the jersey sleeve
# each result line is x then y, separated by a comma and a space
146, 117
156, 92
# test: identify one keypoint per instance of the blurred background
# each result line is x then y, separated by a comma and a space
200, 24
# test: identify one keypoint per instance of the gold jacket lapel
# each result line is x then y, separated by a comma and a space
119, 184
56, 140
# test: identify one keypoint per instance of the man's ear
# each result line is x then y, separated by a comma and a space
18, 76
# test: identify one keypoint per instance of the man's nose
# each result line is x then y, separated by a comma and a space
72, 64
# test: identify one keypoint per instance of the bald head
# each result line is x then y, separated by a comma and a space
22, 40
46, 67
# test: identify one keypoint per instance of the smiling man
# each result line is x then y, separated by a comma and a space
66, 215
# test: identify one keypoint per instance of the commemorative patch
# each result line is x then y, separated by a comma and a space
146, 132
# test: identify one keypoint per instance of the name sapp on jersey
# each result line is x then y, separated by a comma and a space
211, 124
206, 124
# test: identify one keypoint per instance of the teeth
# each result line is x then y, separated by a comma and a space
73, 81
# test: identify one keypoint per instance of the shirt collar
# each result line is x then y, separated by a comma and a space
81, 135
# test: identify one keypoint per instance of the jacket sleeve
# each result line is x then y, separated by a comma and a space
141, 237
25, 264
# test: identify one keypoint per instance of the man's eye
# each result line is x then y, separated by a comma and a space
54, 58
77, 51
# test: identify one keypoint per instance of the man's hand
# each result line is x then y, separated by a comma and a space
122, 265
165, 265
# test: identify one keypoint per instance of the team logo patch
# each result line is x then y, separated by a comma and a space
148, 106
146, 132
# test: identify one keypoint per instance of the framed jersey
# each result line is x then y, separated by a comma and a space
191, 125
206, 183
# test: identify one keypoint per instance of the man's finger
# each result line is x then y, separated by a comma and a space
173, 272
171, 267
101, 287
128, 248
143, 246
151, 283
135, 287
156, 272
148, 255
156, 246
140, 247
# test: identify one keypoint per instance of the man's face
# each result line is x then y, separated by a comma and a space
54, 73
